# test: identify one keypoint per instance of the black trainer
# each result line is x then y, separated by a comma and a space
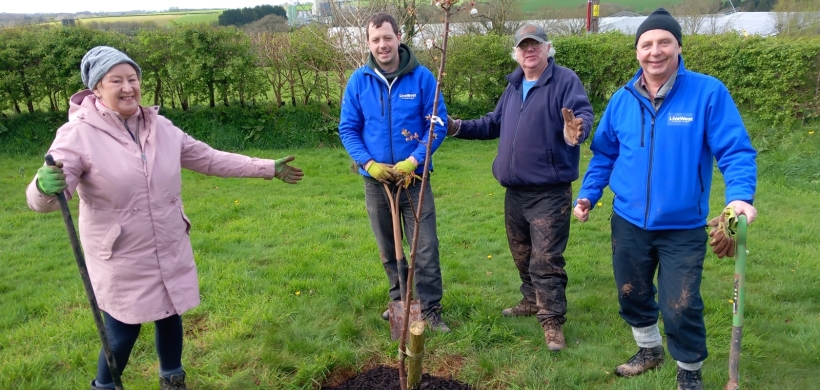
175, 382
643, 361
689, 380
435, 322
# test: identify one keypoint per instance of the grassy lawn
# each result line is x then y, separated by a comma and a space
164, 18
292, 288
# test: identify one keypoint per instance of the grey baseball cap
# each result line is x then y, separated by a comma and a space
99, 60
530, 31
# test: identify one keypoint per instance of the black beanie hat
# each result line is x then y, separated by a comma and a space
660, 19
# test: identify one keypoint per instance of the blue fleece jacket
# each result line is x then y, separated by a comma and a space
659, 164
531, 149
374, 113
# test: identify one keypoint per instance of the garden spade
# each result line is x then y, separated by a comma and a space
89, 290
739, 296
398, 311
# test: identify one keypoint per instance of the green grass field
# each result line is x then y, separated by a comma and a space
164, 18
292, 287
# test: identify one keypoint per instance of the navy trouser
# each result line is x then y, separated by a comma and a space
122, 336
427, 278
677, 255
537, 221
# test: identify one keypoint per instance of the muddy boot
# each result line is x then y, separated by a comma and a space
174, 382
689, 380
435, 322
523, 308
554, 336
643, 361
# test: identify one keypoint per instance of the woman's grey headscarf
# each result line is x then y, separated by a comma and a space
99, 60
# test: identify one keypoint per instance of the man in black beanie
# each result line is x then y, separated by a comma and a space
655, 146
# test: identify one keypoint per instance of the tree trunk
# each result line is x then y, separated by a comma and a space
158, 92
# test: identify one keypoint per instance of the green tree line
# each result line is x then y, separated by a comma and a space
197, 65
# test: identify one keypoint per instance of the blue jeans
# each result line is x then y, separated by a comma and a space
427, 278
122, 337
537, 222
677, 255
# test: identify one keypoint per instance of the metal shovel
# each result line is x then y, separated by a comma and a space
89, 290
397, 310
739, 296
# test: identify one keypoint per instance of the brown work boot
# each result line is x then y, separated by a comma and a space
523, 308
554, 336
174, 382
689, 380
643, 361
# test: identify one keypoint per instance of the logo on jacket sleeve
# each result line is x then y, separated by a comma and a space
407, 96
681, 119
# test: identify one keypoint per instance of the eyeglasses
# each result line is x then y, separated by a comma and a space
524, 46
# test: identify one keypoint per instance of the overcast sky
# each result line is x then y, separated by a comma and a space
72, 6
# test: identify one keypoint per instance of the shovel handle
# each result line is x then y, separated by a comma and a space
89, 290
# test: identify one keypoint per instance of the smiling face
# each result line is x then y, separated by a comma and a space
384, 46
119, 89
657, 53
533, 56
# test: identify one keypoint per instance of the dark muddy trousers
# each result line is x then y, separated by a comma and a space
427, 275
677, 255
122, 337
537, 222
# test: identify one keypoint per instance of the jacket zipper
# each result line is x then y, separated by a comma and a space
642, 125
649, 171
390, 120
515, 135
142, 152
702, 189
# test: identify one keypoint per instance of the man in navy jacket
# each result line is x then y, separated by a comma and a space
392, 93
538, 156
654, 147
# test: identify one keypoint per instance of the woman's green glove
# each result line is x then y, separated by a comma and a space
51, 179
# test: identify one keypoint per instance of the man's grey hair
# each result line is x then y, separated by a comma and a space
551, 53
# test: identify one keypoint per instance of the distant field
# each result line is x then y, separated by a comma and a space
635, 5
162, 19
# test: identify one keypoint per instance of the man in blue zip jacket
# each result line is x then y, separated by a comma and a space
654, 148
538, 156
392, 93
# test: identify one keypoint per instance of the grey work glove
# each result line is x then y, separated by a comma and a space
287, 173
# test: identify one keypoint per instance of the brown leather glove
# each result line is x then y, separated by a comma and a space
453, 126
573, 127
722, 242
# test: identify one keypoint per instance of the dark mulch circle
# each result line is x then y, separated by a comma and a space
387, 378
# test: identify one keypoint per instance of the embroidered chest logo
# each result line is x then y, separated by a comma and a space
407, 96
683, 119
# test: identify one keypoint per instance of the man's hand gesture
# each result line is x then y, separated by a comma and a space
573, 127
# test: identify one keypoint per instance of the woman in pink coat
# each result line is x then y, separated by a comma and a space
125, 162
